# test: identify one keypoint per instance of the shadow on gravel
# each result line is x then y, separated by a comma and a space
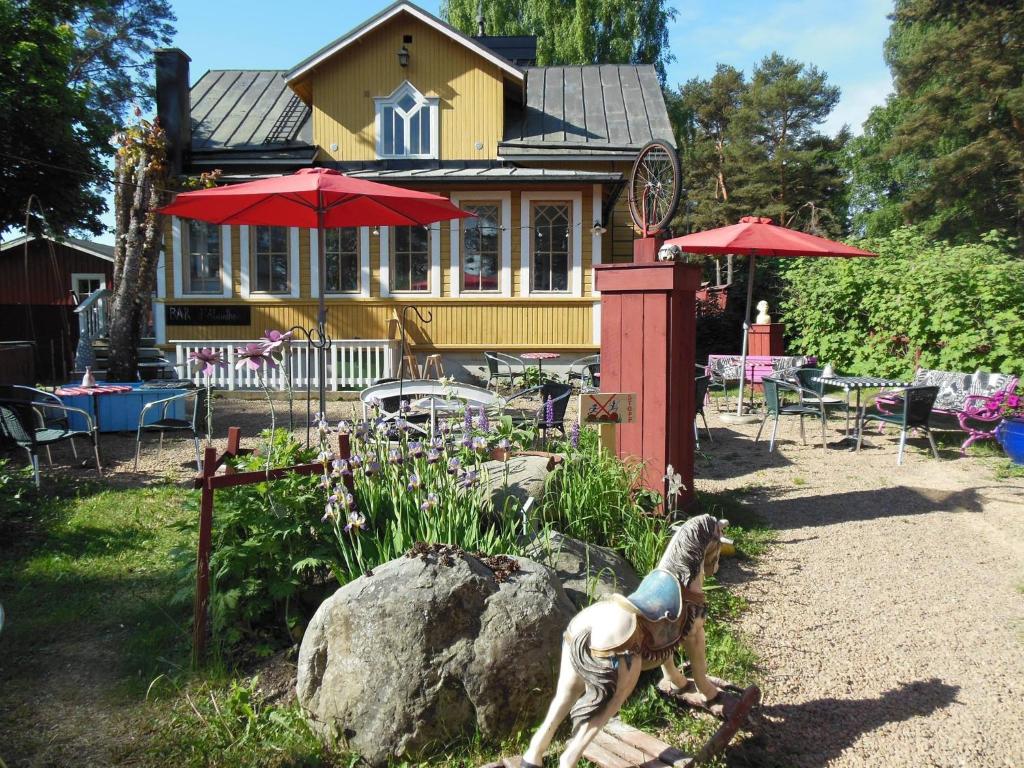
834, 508
733, 454
815, 733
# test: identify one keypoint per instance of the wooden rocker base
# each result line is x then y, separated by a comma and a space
621, 746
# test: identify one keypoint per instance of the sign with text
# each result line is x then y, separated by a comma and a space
207, 314
608, 407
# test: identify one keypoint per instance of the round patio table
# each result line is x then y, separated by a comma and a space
540, 357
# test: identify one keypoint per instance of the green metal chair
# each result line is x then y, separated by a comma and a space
805, 377
164, 423
775, 405
18, 423
914, 414
503, 368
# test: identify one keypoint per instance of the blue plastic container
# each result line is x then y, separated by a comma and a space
1010, 433
120, 412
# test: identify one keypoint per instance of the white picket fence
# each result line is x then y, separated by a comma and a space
351, 363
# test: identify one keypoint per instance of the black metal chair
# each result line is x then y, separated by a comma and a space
502, 367
165, 423
558, 394
47, 406
19, 424
775, 405
582, 370
805, 378
915, 413
700, 396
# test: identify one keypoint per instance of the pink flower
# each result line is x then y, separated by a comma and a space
208, 358
253, 355
274, 340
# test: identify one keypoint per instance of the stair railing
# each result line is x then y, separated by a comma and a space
92, 325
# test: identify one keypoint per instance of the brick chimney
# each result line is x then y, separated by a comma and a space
172, 104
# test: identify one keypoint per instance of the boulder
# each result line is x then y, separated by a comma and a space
587, 572
431, 648
519, 478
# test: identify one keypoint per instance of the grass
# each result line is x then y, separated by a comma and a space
94, 658
1006, 470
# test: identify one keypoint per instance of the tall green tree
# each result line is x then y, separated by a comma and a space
69, 72
576, 31
756, 147
957, 131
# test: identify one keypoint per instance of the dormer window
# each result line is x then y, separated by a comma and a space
406, 124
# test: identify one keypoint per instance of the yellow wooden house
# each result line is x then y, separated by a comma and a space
540, 154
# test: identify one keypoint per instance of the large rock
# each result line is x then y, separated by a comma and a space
401, 662
587, 572
519, 478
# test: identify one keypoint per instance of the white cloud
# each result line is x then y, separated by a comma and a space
856, 104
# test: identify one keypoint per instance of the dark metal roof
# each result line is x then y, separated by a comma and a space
604, 109
468, 173
247, 109
102, 250
521, 50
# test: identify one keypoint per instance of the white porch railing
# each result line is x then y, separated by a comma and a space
350, 364
92, 314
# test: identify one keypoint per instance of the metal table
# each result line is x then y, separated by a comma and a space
856, 384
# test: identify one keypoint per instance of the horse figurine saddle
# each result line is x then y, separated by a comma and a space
648, 622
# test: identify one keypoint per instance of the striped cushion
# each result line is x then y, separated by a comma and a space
954, 387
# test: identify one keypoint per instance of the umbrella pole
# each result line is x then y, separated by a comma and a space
321, 319
746, 333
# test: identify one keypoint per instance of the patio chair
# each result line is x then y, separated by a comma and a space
390, 407
582, 371
775, 405
700, 396
48, 408
502, 367
722, 371
165, 423
19, 424
915, 413
805, 378
559, 395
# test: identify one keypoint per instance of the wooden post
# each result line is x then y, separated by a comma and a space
202, 599
606, 436
648, 327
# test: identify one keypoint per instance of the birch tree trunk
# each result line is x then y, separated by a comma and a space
140, 183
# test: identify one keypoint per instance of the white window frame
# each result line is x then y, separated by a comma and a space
505, 267
435, 264
178, 265
76, 276
575, 200
596, 241
294, 276
432, 106
364, 267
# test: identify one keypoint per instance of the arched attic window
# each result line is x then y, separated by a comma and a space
406, 124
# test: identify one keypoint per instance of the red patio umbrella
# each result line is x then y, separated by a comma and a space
756, 236
314, 198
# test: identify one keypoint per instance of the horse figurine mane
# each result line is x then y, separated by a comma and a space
609, 643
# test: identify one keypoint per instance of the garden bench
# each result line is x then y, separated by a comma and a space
724, 369
969, 398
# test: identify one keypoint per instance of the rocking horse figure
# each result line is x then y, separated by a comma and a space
610, 643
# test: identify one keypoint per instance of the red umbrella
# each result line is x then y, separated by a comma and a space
314, 197
756, 236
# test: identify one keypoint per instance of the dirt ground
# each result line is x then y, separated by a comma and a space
889, 617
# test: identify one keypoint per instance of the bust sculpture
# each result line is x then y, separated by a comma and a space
763, 318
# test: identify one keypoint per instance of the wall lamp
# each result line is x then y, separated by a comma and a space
597, 229
403, 57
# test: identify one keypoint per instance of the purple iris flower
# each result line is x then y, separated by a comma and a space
371, 468
549, 412
339, 468
414, 482
437, 443
479, 444
416, 449
505, 444
394, 456
429, 503
355, 461
208, 358
467, 422
254, 356
433, 456
355, 521
468, 478
574, 435
483, 423
454, 465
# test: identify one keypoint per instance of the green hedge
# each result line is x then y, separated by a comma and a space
960, 306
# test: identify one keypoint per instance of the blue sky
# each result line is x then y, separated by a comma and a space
842, 38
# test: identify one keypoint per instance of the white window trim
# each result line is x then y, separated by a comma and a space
159, 318
76, 276
364, 267
526, 239
294, 276
596, 240
178, 265
435, 264
505, 279
432, 104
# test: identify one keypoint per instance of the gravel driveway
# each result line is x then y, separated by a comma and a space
890, 617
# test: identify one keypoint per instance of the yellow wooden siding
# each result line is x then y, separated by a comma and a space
457, 323
469, 87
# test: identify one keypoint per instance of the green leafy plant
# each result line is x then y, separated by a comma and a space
955, 307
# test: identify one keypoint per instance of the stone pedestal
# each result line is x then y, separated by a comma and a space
648, 325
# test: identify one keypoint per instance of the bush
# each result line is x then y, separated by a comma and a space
958, 307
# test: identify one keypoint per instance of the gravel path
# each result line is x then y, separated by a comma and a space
890, 617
